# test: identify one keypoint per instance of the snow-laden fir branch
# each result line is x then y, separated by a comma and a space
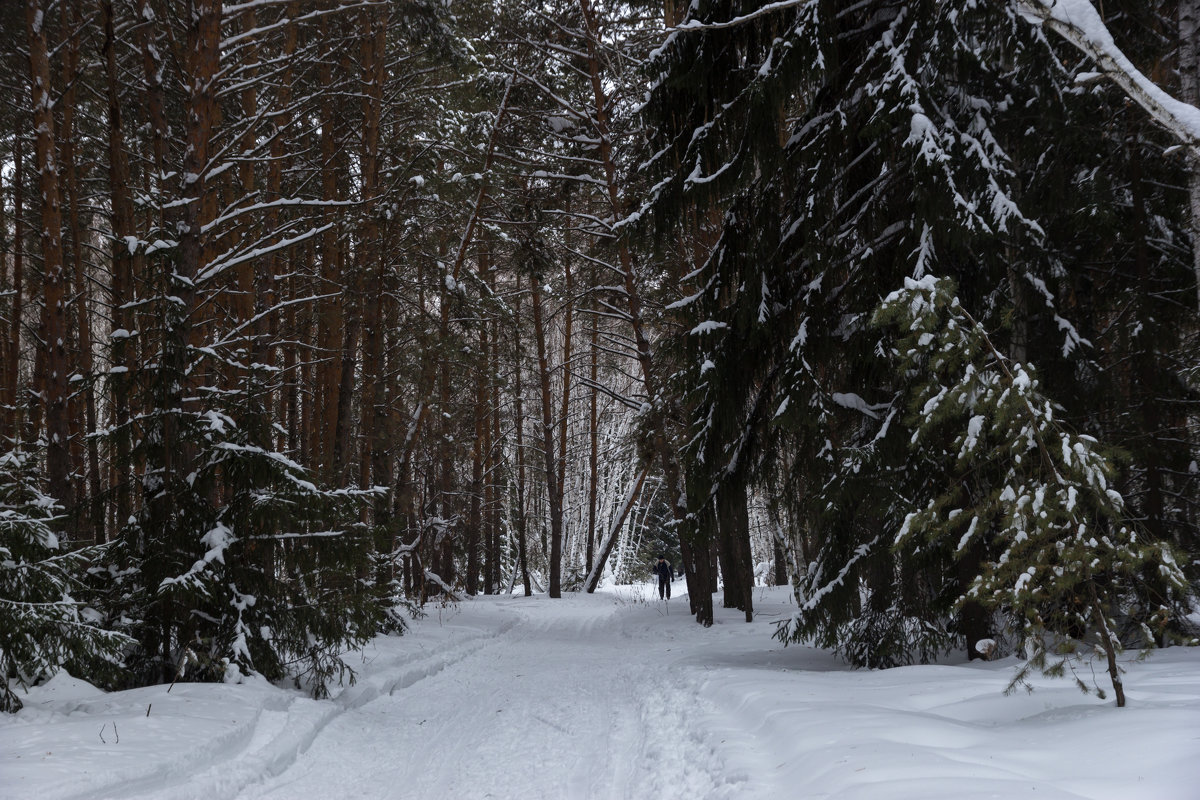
1079, 23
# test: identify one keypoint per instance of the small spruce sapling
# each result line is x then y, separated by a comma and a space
45, 627
1063, 562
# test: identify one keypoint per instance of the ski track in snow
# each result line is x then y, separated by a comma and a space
613, 696
565, 713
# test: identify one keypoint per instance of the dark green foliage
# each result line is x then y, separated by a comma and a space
851, 148
246, 566
1062, 560
236, 562
47, 622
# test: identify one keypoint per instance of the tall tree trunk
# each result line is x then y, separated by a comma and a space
553, 497
202, 67
733, 523
53, 332
12, 348
83, 317
560, 482
1145, 391
329, 333
519, 425
123, 268
475, 521
493, 466
373, 43
1189, 78
445, 466
5, 319
281, 121
593, 437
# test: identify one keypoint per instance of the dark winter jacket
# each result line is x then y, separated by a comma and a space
664, 571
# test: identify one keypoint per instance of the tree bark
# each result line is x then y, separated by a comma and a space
560, 483
475, 520
12, 347
94, 522
493, 464
54, 287
1189, 80
373, 47
124, 254
330, 332
281, 121
593, 438
553, 497
733, 523
519, 425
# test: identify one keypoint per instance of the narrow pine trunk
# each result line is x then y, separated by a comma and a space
560, 483
445, 467
202, 66
475, 520
593, 438
330, 319
53, 330
5, 320
494, 440
554, 499
94, 523
281, 121
12, 348
519, 425
373, 41
123, 256
1110, 645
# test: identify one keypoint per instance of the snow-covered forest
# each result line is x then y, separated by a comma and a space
316, 315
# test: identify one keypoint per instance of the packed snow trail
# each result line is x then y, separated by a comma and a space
612, 696
550, 710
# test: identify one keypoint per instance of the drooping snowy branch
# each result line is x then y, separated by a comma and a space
1079, 23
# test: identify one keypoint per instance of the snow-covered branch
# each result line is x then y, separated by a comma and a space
1079, 23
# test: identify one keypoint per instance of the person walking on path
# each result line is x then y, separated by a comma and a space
665, 573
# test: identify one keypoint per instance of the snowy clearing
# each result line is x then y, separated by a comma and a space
611, 696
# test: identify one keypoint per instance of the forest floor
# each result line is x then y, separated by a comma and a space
614, 695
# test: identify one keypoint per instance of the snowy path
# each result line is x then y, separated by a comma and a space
608, 696
550, 710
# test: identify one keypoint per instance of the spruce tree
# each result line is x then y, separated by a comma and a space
240, 563
850, 149
48, 622
1063, 561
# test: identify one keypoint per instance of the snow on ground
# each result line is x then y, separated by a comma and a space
613, 696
